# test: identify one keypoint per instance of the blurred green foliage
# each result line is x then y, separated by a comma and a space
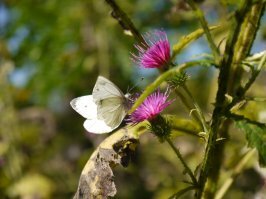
52, 51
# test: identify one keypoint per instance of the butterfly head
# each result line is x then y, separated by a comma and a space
130, 99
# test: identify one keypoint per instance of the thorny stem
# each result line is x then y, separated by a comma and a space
217, 113
249, 28
209, 170
178, 154
206, 29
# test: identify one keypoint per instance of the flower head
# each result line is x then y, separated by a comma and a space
157, 51
152, 106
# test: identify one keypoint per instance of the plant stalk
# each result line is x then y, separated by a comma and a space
206, 29
209, 174
178, 154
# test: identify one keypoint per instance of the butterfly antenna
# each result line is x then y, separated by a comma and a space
135, 85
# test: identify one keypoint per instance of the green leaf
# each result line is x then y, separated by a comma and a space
256, 137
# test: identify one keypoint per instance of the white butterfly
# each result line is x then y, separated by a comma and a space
105, 109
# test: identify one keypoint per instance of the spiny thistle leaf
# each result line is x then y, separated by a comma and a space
256, 137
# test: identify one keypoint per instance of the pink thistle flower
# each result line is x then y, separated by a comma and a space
156, 53
152, 106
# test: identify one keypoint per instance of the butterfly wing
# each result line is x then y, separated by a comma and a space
104, 89
104, 109
111, 102
86, 107
97, 126
112, 111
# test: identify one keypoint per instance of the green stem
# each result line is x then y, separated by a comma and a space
187, 39
164, 76
206, 29
188, 106
199, 111
178, 154
247, 35
208, 171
